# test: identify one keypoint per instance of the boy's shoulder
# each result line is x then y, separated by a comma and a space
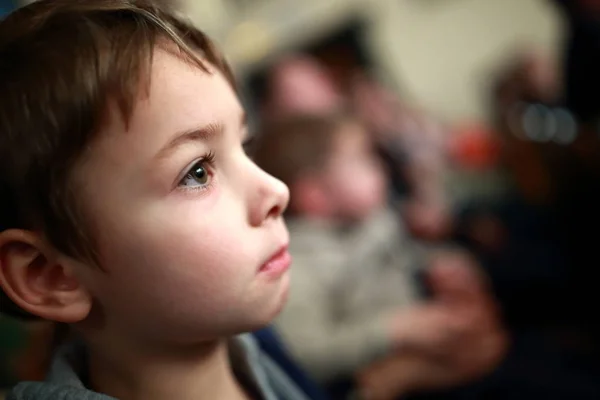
52, 391
65, 381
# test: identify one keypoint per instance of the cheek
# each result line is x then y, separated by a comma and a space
194, 258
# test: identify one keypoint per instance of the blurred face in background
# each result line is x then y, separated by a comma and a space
355, 179
300, 85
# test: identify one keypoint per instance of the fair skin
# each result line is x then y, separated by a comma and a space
182, 240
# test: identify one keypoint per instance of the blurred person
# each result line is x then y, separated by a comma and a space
354, 297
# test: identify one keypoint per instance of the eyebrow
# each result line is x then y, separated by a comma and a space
205, 133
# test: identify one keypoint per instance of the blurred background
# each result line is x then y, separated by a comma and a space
489, 107
436, 55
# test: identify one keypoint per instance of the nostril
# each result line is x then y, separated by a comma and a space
274, 212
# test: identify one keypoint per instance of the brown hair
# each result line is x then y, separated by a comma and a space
289, 147
62, 64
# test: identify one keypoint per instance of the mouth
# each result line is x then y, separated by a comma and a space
278, 264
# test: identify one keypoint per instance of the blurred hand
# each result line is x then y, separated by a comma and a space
455, 338
406, 373
427, 220
455, 279
488, 232
456, 282
430, 328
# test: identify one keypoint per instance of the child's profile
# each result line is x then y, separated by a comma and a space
135, 215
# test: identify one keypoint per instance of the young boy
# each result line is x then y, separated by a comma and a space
131, 211
353, 299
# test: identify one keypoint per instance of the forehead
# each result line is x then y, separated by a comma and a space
180, 91
181, 96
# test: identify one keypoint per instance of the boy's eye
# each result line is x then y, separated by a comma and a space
198, 176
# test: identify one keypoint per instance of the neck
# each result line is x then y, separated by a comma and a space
202, 372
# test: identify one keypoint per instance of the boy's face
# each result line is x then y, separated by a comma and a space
355, 178
182, 240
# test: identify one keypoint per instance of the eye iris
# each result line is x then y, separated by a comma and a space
199, 174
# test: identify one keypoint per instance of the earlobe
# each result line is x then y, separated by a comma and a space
34, 279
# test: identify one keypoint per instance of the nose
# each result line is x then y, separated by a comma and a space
269, 197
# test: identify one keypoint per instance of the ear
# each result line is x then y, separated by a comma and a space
34, 279
309, 197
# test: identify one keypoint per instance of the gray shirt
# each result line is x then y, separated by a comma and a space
65, 380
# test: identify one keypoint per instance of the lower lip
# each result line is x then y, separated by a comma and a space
277, 265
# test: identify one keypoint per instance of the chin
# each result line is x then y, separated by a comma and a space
275, 303
283, 294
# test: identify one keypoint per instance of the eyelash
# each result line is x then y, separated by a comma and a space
208, 162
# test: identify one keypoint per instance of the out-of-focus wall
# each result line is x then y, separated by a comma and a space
443, 50
265, 28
